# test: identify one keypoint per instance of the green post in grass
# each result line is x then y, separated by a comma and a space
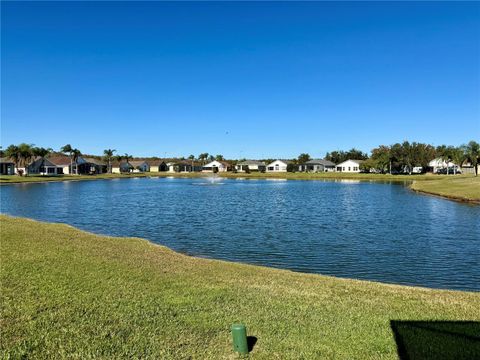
239, 335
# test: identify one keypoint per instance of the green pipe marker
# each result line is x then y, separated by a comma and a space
239, 335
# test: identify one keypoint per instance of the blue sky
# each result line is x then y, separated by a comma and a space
251, 80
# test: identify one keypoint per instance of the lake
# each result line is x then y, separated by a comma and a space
363, 230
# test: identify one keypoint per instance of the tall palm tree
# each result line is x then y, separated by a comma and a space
203, 157
26, 155
445, 153
108, 156
192, 159
40, 151
458, 157
472, 154
75, 155
13, 152
67, 149
127, 159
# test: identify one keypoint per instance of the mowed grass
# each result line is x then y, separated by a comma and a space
66, 293
462, 188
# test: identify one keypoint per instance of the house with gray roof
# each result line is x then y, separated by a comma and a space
317, 165
7, 166
250, 165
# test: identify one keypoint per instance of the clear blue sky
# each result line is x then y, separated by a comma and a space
247, 80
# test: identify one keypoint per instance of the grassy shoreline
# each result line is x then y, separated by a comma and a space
461, 189
69, 293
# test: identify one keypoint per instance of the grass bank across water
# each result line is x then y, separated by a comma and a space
456, 188
68, 293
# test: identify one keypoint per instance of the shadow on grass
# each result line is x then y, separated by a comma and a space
437, 339
251, 341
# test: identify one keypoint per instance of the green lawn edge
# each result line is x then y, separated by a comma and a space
66, 293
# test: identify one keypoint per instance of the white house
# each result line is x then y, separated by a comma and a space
317, 165
439, 163
278, 166
216, 166
351, 166
250, 165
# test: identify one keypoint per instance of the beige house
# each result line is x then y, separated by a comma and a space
157, 165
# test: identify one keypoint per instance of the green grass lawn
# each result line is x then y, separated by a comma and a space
462, 188
71, 294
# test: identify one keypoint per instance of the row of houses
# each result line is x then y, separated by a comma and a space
58, 164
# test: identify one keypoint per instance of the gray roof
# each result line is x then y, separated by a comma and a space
94, 161
137, 162
5, 160
251, 162
320, 162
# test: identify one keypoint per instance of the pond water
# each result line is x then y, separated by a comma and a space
363, 230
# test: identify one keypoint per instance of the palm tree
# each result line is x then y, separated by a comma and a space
68, 149
108, 156
26, 154
458, 157
13, 152
203, 157
192, 158
40, 151
445, 153
127, 159
219, 157
472, 154
75, 154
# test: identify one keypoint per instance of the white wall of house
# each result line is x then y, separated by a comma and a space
350, 166
251, 167
439, 163
277, 166
209, 167
154, 168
